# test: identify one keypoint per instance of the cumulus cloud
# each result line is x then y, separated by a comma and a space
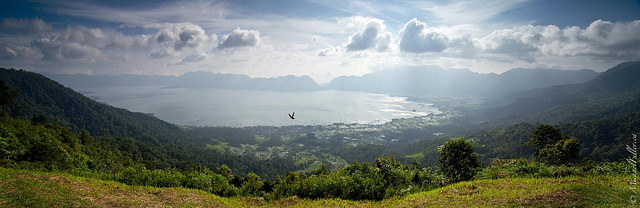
509, 41
240, 38
180, 39
373, 36
185, 41
25, 26
331, 51
416, 37
602, 39
181, 35
10, 51
73, 43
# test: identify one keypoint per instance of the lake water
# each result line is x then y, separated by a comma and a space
225, 107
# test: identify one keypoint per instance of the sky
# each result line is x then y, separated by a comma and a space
323, 39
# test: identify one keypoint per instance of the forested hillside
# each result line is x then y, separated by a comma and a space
142, 138
42, 96
613, 93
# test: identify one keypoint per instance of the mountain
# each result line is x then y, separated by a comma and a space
82, 81
189, 80
613, 93
458, 82
138, 137
42, 96
235, 81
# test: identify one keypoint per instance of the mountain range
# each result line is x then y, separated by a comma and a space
458, 82
429, 81
614, 92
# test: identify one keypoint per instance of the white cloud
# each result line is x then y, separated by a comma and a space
240, 38
181, 40
331, 51
178, 36
198, 11
509, 41
467, 12
10, 51
25, 26
374, 35
601, 39
73, 43
416, 37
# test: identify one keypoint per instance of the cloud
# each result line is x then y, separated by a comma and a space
466, 12
240, 38
601, 39
180, 39
73, 43
373, 36
331, 51
416, 37
25, 26
510, 41
194, 58
10, 51
182, 35
161, 12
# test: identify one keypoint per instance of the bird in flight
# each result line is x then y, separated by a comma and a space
291, 115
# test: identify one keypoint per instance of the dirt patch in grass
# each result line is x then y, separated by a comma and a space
556, 198
110, 194
286, 202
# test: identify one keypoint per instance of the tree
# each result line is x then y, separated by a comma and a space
7, 99
251, 185
322, 170
552, 146
225, 171
458, 161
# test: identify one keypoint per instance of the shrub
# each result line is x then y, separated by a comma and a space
458, 161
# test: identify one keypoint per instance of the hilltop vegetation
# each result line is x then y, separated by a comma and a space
19, 188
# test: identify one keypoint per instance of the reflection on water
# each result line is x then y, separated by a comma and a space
223, 107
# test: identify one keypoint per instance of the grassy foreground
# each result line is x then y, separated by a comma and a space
22, 188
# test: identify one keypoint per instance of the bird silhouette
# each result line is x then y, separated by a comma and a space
291, 115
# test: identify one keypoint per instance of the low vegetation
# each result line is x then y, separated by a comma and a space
23, 188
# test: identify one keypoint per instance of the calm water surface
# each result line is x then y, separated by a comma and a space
224, 107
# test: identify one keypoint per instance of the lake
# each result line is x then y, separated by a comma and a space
228, 107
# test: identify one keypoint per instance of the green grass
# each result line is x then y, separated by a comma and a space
220, 147
261, 139
415, 156
23, 188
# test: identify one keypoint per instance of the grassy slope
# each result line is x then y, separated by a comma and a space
20, 188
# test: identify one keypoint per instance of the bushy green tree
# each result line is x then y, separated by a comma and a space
7, 98
458, 161
322, 170
552, 146
251, 185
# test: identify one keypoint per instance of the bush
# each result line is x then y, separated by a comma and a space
458, 161
552, 146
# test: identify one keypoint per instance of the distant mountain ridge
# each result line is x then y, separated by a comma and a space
404, 81
614, 92
459, 82
189, 80
235, 81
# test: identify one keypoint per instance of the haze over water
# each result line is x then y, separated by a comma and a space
224, 107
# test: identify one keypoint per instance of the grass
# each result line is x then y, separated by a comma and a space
220, 147
22, 188
415, 156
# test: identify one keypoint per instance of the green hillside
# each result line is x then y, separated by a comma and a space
42, 96
20, 188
